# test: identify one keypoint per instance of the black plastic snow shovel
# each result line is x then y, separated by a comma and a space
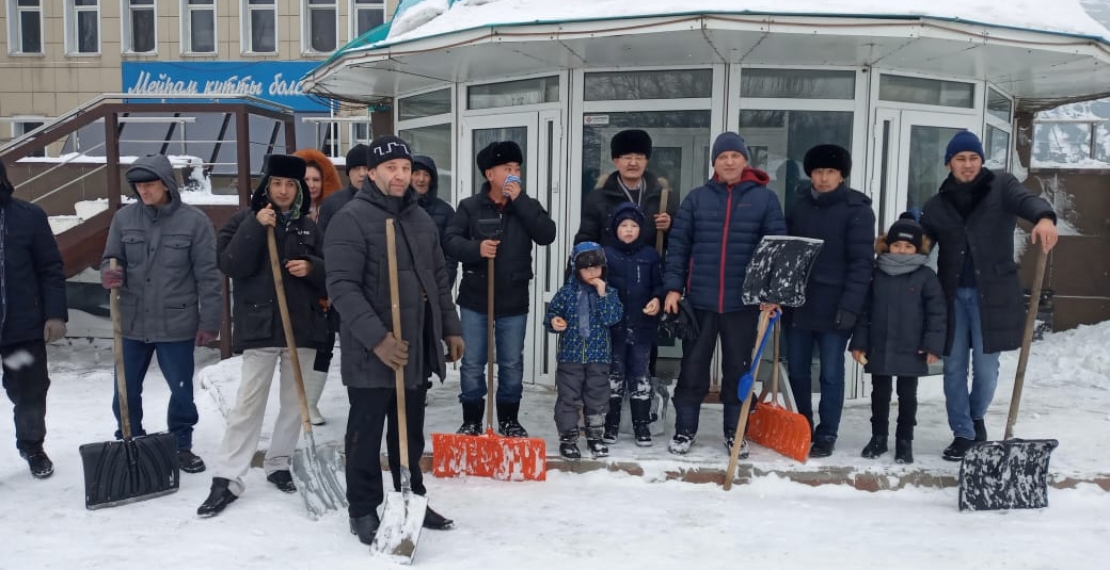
318, 471
1013, 473
135, 468
403, 514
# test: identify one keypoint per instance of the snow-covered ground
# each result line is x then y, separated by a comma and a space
595, 520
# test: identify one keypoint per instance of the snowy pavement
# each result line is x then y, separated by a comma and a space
597, 519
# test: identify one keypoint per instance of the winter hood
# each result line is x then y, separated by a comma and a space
627, 211
881, 245
332, 182
748, 175
149, 167
422, 162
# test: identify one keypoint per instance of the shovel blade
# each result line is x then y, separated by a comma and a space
1011, 474
489, 455
402, 521
128, 471
320, 477
777, 428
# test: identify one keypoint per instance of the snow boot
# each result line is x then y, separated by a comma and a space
745, 449
218, 499
958, 448
41, 466
595, 429
472, 418
436, 521
283, 480
980, 430
568, 444
613, 419
642, 431
597, 448
507, 424
641, 421
365, 527
822, 448
189, 462
903, 451
681, 442
875, 447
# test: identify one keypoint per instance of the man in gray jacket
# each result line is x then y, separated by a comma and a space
170, 294
355, 247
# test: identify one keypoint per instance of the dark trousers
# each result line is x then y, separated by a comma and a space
371, 409
831, 346
737, 331
630, 360
581, 387
26, 382
175, 359
880, 405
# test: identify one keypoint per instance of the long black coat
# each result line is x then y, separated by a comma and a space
841, 273
904, 315
358, 284
245, 258
34, 284
523, 221
988, 234
600, 203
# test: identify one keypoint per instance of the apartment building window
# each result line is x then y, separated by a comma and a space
199, 26
321, 25
366, 15
139, 27
260, 26
25, 26
22, 127
82, 26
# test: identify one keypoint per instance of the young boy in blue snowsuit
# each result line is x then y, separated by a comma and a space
582, 311
634, 270
900, 333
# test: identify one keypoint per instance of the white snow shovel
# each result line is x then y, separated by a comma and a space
318, 472
403, 514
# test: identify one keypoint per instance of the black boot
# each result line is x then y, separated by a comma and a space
903, 451
365, 527
568, 444
472, 418
641, 421
436, 521
822, 448
507, 423
595, 429
730, 440
875, 447
613, 421
958, 448
980, 430
189, 462
41, 466
597, 448
283, 480
218, 499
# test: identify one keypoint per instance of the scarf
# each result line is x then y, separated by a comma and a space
895, 264
587, 296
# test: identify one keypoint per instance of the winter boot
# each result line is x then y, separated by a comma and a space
313, 389
40, 465
822, 448
641, 421
218, 499
283, 480
472, 419
745, 449
189, 462
875, 447
597, 448
507, 424
365, 527
612, 420
958, 448
903, 451
436, 521
568, 444
595, 429
681, 442
980, 430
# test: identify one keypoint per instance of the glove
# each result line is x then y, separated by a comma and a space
54, 330
455, 348
204, 338
845, 320
112, 278
392, 352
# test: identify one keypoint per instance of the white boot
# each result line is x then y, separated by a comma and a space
313, 389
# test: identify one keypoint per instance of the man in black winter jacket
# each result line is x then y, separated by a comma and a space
32, 313
356, 168
500, 222
837, 286
972, 220
425, 180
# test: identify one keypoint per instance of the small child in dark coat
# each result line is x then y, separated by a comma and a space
900, 333
635, 271
581, 312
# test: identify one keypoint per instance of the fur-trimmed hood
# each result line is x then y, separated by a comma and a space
332, 182
881, 246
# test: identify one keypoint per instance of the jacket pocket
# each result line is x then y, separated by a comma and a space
256, 321
134, 248
182, 321
175, 251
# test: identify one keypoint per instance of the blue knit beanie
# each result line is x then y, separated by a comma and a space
963, 141
727, 141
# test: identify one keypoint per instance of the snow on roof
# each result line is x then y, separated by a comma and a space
416, 19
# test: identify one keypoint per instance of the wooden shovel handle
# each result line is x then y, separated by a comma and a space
399, 373
491, 352
287, 327
117, 347
1027, 339
738, 438
663, 198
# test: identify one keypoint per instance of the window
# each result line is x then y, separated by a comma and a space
998, 105
321, 25
424, 105
198, 34
25, 26
762, 83
927, 91
82, 26
434, 141
366, 15
361, 133
139, 27
260, 26
20, 128
637, 85
512, 93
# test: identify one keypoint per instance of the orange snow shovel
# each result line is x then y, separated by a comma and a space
489, 455
773, 426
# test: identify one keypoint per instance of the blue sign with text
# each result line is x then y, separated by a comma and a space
275, 81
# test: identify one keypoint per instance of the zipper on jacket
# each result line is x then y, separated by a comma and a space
724, 247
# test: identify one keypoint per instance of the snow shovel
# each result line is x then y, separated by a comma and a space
489, 454
744, 392
662, 210
1013, 473
779, 270
316, 471
135, 468
403, 513
775, 427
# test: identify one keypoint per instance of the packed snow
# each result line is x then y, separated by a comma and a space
610, 519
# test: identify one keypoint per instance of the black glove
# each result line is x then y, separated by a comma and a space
845, 320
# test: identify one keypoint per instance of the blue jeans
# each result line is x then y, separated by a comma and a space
831, 346
967, 349
509, 342
175, 359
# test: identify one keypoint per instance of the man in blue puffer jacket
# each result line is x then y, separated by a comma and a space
715, 234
